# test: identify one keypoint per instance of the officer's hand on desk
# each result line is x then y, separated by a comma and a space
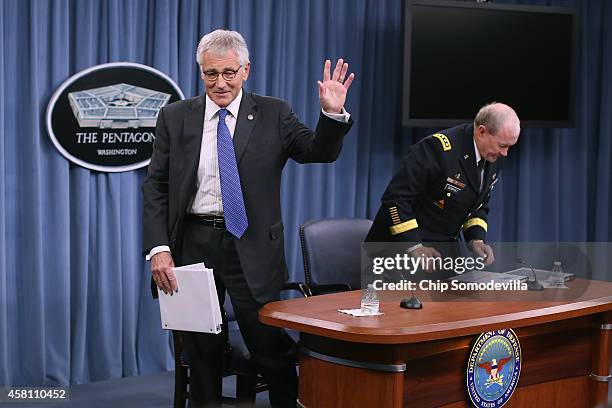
161, 268
483, 250
425, 253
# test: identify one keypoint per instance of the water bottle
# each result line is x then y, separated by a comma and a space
369, 301
557, 278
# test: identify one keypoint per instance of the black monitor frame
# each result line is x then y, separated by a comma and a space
416, 122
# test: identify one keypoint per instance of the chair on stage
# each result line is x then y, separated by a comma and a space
331, 249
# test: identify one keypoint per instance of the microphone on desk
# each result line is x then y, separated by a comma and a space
531, 284
411, 302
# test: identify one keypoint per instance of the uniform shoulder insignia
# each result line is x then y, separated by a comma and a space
446, 145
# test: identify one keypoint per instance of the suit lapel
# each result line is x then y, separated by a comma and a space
247, 116
490, 176
193, 125
468, 158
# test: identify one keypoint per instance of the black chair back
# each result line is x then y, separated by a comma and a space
331, 249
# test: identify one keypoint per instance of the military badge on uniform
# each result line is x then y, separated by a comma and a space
452, 189
455, 182
446, 144
494, 368
440, 204
394, 215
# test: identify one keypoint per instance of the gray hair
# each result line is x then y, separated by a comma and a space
494, 116
219, 42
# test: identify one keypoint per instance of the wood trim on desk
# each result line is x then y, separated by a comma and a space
324, 384
368, 365
600, 360
435, 371
318, 315
565, 393
562, 343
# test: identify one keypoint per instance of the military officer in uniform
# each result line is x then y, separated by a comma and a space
444, 184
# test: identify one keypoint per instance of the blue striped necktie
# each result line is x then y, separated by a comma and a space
236, 221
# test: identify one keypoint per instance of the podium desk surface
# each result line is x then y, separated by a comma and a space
443, 315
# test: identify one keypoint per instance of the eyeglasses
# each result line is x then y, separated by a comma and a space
228, 74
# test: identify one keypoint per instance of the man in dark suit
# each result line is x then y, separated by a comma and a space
212, 194
444, 184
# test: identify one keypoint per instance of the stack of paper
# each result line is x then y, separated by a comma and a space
358, 312
195, 307
486, 276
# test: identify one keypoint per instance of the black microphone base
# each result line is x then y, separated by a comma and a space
411, 303
534, 285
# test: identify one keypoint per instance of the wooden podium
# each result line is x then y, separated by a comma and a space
418, 358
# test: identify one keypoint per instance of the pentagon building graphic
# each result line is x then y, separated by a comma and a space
117, 106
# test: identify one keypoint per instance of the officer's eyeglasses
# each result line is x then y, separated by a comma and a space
228, 74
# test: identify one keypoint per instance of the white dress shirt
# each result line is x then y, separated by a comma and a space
207, 200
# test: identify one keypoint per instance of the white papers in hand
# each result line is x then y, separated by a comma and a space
195, 307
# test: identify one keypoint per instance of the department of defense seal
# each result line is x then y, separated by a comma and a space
494, 367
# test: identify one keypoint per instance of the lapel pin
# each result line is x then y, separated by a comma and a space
458, 176
250, 117
467, 156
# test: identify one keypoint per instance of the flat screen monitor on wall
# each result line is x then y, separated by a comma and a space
459, 56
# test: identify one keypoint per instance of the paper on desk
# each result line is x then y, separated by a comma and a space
540, 274
486, 276
195, 307
358, 312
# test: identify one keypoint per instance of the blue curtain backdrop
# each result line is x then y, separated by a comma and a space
74, 300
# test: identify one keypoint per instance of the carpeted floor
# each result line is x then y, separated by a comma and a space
146, 391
